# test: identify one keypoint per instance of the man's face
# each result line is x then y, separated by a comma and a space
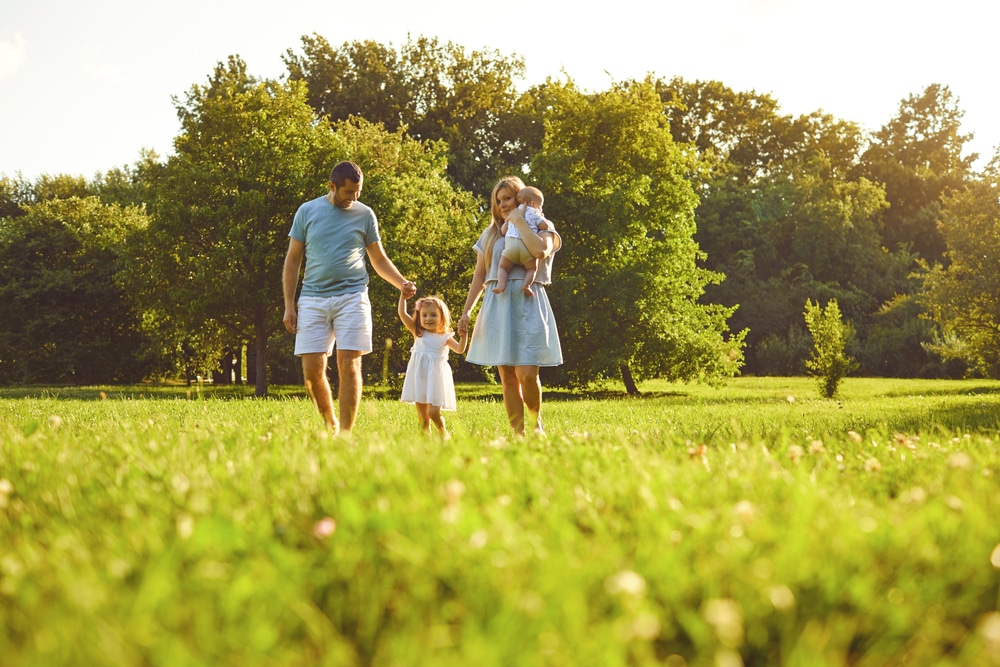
346, 194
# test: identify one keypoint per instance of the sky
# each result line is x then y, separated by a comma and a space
86, 85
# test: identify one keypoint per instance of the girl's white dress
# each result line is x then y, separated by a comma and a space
428, 375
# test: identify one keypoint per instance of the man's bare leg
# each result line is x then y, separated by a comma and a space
318, 387
349, 393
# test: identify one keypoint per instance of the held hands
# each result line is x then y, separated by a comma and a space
408, 289
463, 325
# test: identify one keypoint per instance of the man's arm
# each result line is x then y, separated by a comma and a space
290, 280
387, 270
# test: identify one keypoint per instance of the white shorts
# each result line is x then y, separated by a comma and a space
344, 320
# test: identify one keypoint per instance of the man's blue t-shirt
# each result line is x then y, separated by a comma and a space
335, 240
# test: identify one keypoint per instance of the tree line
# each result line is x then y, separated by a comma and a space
698, 221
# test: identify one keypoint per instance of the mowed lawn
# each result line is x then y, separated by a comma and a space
752, 524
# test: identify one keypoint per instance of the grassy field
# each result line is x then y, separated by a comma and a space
755, 524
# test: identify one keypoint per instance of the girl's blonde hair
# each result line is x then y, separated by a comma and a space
442, 307
493, 232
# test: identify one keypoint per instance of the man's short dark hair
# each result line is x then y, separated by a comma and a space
345, 171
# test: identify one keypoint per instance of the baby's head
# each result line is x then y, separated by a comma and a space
431, 314
530, 196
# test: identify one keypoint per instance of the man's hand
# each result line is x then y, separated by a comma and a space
291, 319
409, 289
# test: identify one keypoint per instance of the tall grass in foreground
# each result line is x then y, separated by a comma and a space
753, 525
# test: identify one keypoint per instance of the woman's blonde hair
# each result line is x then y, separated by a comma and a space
442, 307
493, 232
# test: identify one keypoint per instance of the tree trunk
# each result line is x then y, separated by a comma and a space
260, 342
251, 362
629, 381
238, 363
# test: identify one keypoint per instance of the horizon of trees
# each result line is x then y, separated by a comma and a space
697, 221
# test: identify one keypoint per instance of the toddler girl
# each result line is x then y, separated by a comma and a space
428, 382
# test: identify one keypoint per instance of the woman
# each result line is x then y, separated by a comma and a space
514, 332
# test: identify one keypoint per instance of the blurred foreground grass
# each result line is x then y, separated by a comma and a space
754, 524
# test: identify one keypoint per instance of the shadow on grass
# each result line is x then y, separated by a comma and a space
965, 390
164, 392
492, 392
952, 419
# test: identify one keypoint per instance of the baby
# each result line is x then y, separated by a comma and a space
529, 200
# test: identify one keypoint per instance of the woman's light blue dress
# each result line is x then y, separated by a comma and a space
513, 329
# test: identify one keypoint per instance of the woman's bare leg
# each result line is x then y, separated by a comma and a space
531, 391
513, 402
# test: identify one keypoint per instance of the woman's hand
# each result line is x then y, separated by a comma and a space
538, 245
516, 217
463, 325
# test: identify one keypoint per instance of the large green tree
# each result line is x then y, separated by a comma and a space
428, 225
787, 215
628, 279
964, 298
918, 156
65, 318
248, 154
437, 91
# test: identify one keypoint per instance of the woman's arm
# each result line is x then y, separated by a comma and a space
404, 316
539, 245
475, 289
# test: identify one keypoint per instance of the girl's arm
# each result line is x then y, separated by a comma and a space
475, 289
539, 245
458, 346
404, 316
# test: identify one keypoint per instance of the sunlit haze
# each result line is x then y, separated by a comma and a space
86, 85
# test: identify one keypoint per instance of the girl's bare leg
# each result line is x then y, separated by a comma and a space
423, 413
435, 415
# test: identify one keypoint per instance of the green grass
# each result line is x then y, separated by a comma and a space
699, 526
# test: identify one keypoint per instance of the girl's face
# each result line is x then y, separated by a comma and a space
430, 317
506, 201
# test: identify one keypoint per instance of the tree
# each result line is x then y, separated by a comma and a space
964, 298
248, 154
66, 320
787, 214
629, 281
428, 225
435, 91
829, 363
918, 157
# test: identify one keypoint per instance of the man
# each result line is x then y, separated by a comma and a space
334, 233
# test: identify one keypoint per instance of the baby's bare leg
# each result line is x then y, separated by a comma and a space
529, 276
502, 270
